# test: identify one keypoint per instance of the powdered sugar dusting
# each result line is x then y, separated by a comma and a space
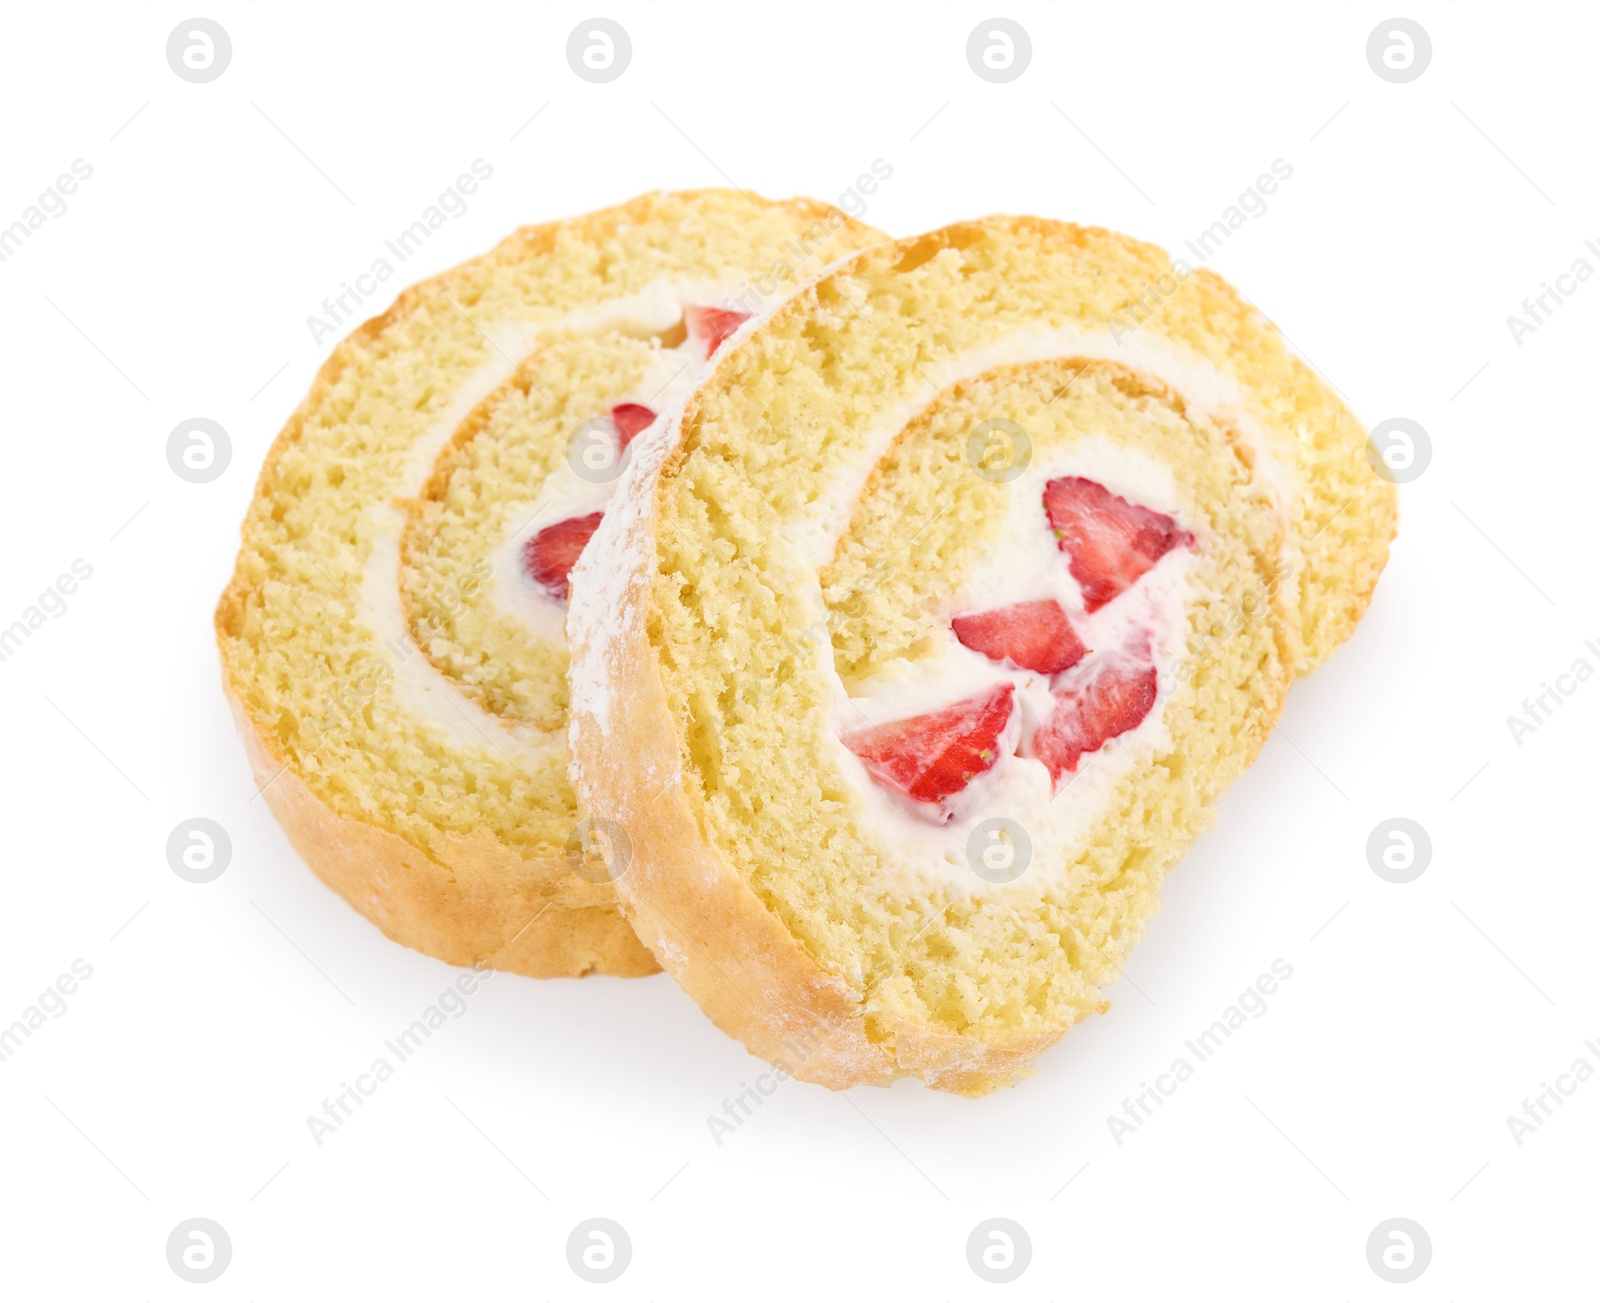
612, 577
613, 573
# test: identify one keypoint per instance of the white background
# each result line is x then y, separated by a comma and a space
218, 1017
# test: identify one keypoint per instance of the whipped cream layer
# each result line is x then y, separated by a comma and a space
1196, 381
1023, 563
670, 378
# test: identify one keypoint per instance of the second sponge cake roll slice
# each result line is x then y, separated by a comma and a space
928, 638
449, 824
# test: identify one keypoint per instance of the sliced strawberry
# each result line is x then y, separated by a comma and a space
1030, 635
933, 757
630, 419
553, 551
1109, 540
1104, 699
711, 326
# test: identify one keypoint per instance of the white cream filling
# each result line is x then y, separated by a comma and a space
1195, 380
1025, 563
417, 687
670, 377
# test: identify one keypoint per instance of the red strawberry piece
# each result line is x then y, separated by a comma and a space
933, 757
630, 419
553, 551
1030, 635
713, 325
1104, 699
1109, 540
